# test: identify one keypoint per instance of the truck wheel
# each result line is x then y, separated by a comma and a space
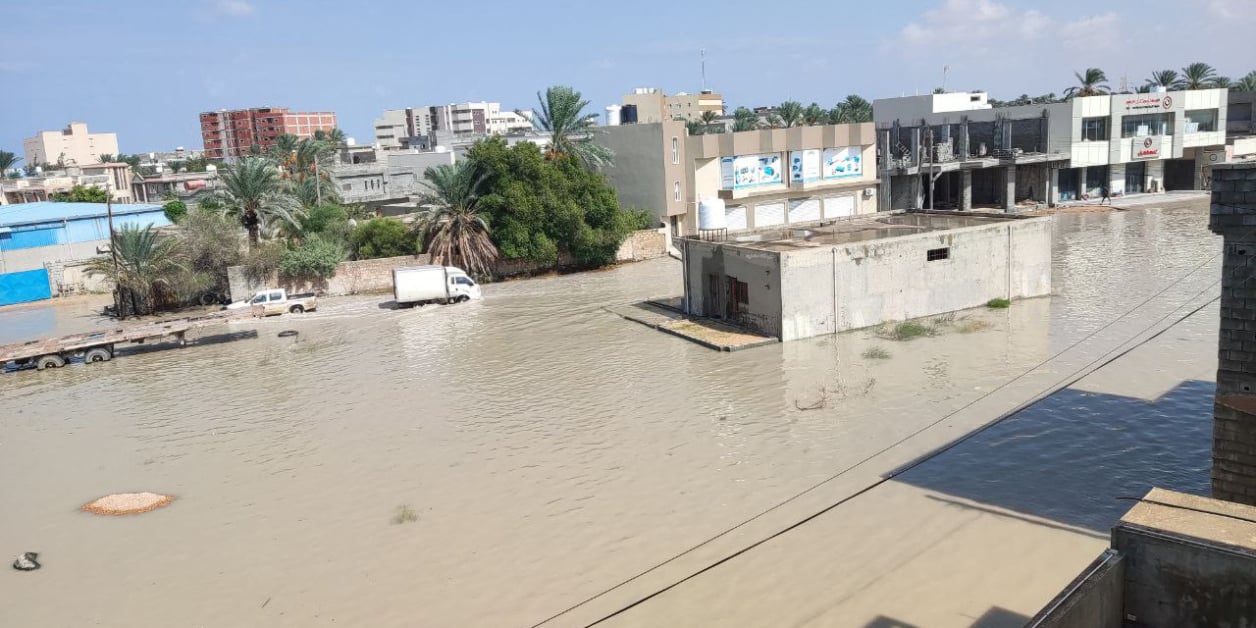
97, 354
50, 361
296, 309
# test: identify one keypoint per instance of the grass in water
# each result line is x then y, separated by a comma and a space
968, 327
876, 353
405, 514
907, 330
998, 304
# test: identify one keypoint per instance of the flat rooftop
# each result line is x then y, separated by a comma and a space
861, 229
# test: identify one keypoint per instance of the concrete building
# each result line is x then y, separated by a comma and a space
116, 178
380, 178
235, 133
1240, 125
186, 186
647, 105
71, 146
765, 178
402, 128
798, 283
44, 245
112, 177
958, 152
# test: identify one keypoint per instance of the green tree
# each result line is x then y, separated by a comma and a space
453, 230
570, 129
106, 158
252, 191
1197, 76
1167, 79
211, 242
149, 270
744, 119
1092, 82
695, 127
175, 210
1223, 81
316, 257
815, 115
382, 237
790, 113
81, 194
328, 219
7, 162
1247, 83
853, 110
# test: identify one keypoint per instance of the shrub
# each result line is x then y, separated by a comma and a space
316, 257
905, 330
212, 244
175, 211
326, 219
876, 353
998, 304
382, 237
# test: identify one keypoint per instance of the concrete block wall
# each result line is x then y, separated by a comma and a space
372, 275
1233, 216
643, 245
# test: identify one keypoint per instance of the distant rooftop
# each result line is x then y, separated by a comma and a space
49, 211
861, 229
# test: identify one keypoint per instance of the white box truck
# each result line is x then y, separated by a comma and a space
433, 284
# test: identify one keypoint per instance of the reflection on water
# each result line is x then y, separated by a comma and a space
548, 448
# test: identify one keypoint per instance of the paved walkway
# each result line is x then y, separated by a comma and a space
706, 332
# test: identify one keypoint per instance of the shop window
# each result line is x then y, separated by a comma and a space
1095, 129
1149, 124
934, 255
1201, 121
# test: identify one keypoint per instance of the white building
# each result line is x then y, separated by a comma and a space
395, 128
70, 146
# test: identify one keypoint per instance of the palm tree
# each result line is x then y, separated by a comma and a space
814, 115
149, 267
789, 113
1197, 76
1164, 78
1223, 81
106, 158
745, 120
283, 147
1247, 83
7, 161
1092, 82
253, 191
854, 110
453, 230
570, 129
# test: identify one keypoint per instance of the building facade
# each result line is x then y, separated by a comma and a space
236, 133
407, 128
1240, 125
647, 105
955, 151
71, 146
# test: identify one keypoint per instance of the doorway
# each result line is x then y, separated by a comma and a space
1135, 177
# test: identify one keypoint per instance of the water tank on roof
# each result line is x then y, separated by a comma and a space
442, 149
711, 214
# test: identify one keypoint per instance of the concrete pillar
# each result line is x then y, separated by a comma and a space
915, 146
917, 191
1082, 185
1233, 217
1009, 191
1053, 186
965, 190
964, 148
884, 159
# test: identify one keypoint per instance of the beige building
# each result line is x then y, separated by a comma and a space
70, 146
650, 105
752, 179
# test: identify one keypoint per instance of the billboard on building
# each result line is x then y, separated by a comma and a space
804, 165
842, 162
746, 171
1147, 147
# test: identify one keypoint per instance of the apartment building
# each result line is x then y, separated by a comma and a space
647, 105
406, 128
235, 133
955, 151
70, 146
1240, 125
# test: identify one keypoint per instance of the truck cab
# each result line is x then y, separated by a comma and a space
461, 286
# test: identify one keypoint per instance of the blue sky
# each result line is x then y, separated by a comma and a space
145, 69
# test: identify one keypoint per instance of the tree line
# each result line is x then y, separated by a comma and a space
791, 113
1094, 82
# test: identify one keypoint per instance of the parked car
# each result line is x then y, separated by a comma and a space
273, 301
433, 284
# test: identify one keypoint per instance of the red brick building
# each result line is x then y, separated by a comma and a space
230, 134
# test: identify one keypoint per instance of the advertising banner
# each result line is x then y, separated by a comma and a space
1146, 147
745, 171
841, 162
804, 165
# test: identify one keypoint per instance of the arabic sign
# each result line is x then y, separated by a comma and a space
1146, 147
1148, 102
804, 165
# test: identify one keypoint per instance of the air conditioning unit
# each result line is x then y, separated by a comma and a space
870, 192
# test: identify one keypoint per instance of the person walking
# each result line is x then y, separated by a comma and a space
1105, 194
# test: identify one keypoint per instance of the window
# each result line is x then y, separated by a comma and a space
1095, 129
1201, 120
676, 191
738, 296
276, 296
347, 186
261, 298
675, 150
934, 255
1148, 124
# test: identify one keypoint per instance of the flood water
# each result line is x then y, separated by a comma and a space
550, 450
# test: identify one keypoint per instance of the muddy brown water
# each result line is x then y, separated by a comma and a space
548, 449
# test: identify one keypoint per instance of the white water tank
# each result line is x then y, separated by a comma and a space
711, 214
612, 115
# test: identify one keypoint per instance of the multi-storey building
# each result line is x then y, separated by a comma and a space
229, 134
647, 105
71, 146
402, 128
956, 151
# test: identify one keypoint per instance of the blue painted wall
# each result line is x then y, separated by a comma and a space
30, 285
75, 230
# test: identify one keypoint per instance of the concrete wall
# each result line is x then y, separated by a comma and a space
638, 174
1095, 599
40, 256
372, 275
643, 245
708, 265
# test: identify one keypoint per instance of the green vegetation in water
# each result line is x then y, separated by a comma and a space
906, 330
998, 304
876, 353
970, 326
405, 514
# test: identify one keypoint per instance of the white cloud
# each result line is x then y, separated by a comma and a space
1094, 27
234, 7
974, 23
1244, 10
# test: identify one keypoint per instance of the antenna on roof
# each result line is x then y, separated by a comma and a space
945, 69
702, 56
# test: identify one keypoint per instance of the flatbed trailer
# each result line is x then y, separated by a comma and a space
98, 346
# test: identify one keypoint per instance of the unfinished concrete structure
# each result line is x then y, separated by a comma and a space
798, 283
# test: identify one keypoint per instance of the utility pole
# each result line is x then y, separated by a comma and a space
945, 69
318, 181
702, 55
113, 252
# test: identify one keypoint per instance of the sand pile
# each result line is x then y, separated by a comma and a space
127, 503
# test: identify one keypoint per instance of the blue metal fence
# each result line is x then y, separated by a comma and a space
28, 285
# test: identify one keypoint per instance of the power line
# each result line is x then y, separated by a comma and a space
875, 454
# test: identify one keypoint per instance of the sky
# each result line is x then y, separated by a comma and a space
144, 70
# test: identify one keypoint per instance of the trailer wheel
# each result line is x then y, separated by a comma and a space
97, 354
50, 361
297, 309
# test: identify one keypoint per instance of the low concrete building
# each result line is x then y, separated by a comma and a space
798, 283
647, 105
1240, 125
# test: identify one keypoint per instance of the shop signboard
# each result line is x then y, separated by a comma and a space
746, 171
804, 165
840, 163
1147, 147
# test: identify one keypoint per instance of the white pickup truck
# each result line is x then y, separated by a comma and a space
277, 301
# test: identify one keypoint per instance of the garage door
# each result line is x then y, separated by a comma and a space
769, 215
735, 218
804, 210
29, 285
839, 206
